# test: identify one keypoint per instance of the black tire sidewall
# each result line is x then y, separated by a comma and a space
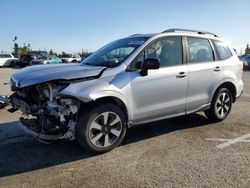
85, 120
216, 116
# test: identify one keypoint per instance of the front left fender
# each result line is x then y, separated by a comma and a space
99, 88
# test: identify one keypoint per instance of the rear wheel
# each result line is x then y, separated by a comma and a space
102, 128
221, 105
12, 64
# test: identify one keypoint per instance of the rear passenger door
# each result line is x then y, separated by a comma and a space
204, 73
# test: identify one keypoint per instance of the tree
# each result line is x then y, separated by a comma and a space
51, 52
20, 50
15, 53
23, 50
29, 47
247, 50
15, 38
16, 50
84, 53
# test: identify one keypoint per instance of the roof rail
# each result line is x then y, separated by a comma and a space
189, 30
135, 34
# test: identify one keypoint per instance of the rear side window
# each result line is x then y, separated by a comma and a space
199, 50
222, 50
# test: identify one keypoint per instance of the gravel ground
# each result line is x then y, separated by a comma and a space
169, 153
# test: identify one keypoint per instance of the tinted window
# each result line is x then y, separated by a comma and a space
222, 50
199, 50
168, 50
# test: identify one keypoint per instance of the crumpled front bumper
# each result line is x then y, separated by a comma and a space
39, 136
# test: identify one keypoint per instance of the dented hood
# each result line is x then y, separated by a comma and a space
43, 73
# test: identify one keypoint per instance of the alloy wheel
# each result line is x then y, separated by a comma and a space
105, 129
223, 104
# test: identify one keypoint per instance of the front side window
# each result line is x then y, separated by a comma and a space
114, 53
168, 50
222, 50
199, 50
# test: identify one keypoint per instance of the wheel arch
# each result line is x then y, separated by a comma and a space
230, 86
110, 100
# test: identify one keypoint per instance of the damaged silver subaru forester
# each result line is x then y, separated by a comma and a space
131, 81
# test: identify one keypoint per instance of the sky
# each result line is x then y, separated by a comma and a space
76, 25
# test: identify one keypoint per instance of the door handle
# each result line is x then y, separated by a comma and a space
217, 68
181, 75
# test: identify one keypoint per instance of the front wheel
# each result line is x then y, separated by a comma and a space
102, 128
221, 105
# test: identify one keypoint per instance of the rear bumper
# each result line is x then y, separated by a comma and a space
240, 89
238, 97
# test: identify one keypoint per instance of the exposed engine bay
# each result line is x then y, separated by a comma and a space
46, 114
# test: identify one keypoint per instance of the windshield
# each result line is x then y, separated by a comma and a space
115, 52
5, 56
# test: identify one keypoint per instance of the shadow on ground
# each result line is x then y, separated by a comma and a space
21, 153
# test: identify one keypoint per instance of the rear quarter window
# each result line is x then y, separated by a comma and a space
222, 50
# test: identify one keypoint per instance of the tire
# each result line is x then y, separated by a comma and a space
13, 64
103, 124
221, 105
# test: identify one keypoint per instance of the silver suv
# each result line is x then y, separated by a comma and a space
135, 80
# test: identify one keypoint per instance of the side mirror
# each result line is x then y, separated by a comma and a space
149, 63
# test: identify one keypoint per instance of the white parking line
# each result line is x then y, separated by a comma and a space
229, 142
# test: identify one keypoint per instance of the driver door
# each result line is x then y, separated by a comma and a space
161, 93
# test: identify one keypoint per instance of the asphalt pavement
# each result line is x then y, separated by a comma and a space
180, 152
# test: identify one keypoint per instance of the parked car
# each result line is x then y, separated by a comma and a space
52, 59
7, 60
246, 62
242, 57
68, 58
25, 59
131, 81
